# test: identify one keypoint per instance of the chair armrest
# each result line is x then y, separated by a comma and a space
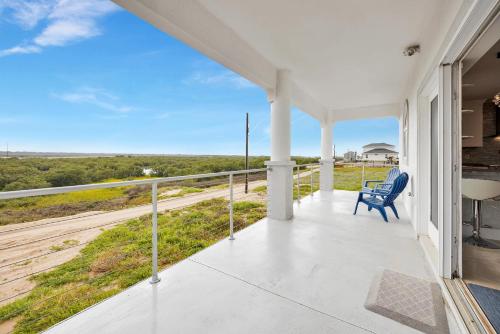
383, 185
372, 181
382, 192
371, 193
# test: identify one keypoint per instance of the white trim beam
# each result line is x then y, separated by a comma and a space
383, 110
194, 25
307, 104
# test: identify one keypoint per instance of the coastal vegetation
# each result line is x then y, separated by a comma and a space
31, 173
28, 173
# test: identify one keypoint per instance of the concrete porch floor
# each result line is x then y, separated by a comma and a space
308, 275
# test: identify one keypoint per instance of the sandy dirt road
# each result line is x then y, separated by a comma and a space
35, 247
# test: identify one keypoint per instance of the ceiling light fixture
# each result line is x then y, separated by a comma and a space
411, 50
496, 99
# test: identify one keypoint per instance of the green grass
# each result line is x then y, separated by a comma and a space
65, 244
305, 187
346, 178
121, 257
350, 178
34, 208
260, 190
94, 195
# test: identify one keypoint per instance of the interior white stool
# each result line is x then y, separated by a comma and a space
479, 190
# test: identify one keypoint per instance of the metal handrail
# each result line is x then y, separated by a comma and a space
298, 178
154, 194
308, 165
68, 189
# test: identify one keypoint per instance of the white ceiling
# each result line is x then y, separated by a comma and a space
344, 54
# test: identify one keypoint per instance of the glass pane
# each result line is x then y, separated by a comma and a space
434, 162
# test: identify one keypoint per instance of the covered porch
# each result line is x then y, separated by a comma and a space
308, 275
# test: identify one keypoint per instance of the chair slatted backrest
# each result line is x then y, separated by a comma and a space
389, 180
398, 186
393, 174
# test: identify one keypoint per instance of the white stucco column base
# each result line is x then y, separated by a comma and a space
280, 189
326, 174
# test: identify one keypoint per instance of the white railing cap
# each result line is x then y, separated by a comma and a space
69, 189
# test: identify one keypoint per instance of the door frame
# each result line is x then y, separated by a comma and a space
432, 231
446, 76
472, 19
425, 96
429, 91
480, 19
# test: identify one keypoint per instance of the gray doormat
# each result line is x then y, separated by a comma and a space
411, 301
489, 300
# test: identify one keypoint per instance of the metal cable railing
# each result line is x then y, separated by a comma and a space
308, 170
232, 189
352, 176
154, 194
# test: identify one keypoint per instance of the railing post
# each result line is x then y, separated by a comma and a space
231, 221
298, 184
312, 180
363, 177
154, 193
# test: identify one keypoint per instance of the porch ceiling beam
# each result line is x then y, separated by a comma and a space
307, 104
194, 25
382, 110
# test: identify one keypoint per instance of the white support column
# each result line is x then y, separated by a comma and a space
327, 160
280, 175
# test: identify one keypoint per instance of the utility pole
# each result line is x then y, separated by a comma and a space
246, 155
7, 150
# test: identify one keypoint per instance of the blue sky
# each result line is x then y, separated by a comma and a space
87, 76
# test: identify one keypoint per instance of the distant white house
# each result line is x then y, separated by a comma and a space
147, 171
379, 152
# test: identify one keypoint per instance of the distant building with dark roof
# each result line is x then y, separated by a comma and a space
379, 152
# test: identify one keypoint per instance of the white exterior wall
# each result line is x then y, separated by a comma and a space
379, 157
428, 62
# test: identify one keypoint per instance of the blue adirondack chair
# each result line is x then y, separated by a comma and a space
382, 186
381, 201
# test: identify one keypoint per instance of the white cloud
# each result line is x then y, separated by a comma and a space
68, 21
225, 78
62, 32
96, 97
26, 14
20, 50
